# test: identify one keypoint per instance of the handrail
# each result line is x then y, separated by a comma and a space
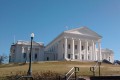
94, 68
70, 75
72, 71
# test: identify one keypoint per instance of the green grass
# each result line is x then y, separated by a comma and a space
60, 67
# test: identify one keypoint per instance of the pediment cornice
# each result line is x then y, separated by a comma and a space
83, 31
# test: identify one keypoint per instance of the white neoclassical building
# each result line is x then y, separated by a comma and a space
77, 44
107, 54
19, 52
80, 44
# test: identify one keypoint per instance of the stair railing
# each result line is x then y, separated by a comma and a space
72, 71
94, 68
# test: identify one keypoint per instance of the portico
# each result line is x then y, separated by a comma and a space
79, 49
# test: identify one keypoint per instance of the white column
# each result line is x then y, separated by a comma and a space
86, 58
93, 50
95, 53
65, 54
23, 50
99, 48
79, 49
112, 58
72, 49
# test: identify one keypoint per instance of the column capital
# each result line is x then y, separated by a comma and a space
65, 37
93, 41
86, 40
72, 38
99, 41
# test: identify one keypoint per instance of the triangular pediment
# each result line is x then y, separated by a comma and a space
83, 31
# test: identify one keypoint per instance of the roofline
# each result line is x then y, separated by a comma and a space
55, 38
83, 27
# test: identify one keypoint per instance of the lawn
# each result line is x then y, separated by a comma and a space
60, 67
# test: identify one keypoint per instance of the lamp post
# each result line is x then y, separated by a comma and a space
29, 73
99, 63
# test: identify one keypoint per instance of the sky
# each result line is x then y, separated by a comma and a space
48, 18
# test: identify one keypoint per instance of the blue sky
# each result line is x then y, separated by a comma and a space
48, 18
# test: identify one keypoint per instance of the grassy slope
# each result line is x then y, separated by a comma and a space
60, 67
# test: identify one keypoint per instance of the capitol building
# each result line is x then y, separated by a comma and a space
79, 44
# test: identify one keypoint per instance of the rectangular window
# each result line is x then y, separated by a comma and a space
68, 46
63, 45
75, 46
36, 56
82, 57
24, 55
88, 57
82, 47
69, 56
76, 56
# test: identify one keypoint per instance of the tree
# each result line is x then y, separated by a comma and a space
3, 58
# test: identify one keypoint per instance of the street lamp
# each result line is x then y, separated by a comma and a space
29, 73
99, 63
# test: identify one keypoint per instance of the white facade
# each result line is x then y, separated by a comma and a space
76, 44
19, 52
80, 44
108, 55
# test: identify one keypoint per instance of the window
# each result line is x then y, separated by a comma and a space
82, 57
63, 45
69, 56
13, 50
88, 48
36, 56
88, 57
47, 58
24, 55
76, 56
109, 58
68, 46
52, 49
82, 47
75, 46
